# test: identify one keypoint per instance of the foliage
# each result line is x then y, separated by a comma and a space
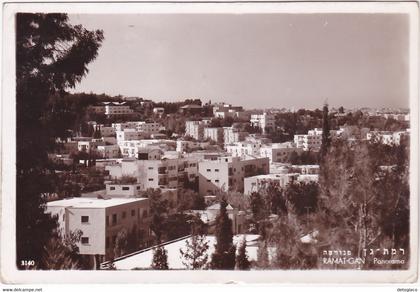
224, 256
61, 252
303, 158
72, 184
290, 252
190, 200
179, 225
360, 202
303, 197
258, 207
159, 208
160, 259
326, 138
242, 261
121, 243
51, 56
263, 259
195, 255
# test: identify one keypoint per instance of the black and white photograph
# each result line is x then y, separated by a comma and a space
257, 138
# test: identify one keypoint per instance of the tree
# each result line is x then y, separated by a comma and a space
158, 211
360, 202
51, 56
160, 259
263, 260
61, 252
326, 139
303, 196
121, 243
242, 261
290, 252
224, 256
195, 253
258, 206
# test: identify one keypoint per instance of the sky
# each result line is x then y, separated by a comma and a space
253, 60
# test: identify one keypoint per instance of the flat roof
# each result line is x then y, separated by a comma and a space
85, 202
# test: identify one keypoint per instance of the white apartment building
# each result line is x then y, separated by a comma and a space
385, 137
129, 135
141, 126
278, 152
219, 109
265, 122
117, 108
228, 173
233, 135
313, 140
242, 149
215, 134
260, 182
131, 148
100, 220
169, 173
151, 128
194, 129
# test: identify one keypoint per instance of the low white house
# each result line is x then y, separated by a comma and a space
100, 220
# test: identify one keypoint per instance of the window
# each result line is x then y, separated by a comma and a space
150, 168
114, 219
208, 170
208, 180
125, 188
150, 179
124, 214
133, 213
216, 170
85, 219
85, 240
112, 188
138, 187
216, 180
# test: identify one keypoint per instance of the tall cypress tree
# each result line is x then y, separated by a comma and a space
326, 139
224, 256
242, 261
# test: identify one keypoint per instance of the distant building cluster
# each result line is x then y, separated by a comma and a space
137, 157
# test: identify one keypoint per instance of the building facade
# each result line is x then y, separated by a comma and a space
228, 173
168, 173
100, 221
265, 122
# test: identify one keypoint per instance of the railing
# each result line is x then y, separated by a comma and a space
105, 265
